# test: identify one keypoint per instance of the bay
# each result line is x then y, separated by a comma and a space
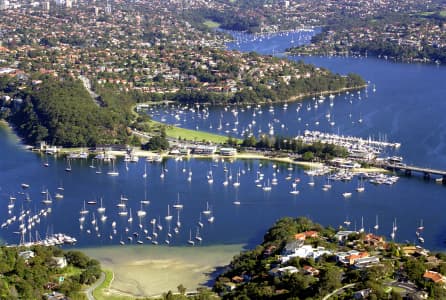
406, 107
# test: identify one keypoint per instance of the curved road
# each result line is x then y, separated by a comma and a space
90, 289
338, 290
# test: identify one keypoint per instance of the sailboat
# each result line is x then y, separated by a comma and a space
101, 209
210, 177
47, 200
178, 220
145, 171
169, 216
267, 187
200, 223
197, 235
130, 219
421, 227
68, 168
84, 210
178, 205
207, 211
311, 182
294, 191
362, 225
376, 225
141, 212
190, 241
113, 171
360, 187
237, 182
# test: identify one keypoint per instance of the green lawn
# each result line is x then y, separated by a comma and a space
195, 135
71, 271
99, 294
211, 24
191, 135
443, 13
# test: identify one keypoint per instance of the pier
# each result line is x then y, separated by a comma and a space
409, 169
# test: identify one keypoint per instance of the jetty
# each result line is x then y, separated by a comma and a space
409, 169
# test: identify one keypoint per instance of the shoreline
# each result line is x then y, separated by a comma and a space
295, 98
139, 272
242, 155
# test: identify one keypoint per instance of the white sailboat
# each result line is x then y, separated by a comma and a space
101, 209
360, 187
200, 223
144, 175
190, 241
169, 216
294, 191
197, 235
361, 230
210, 177
376, 227
178, 205
47, 200
68, 168
267, 187
311, 182
207, 211
346, 194
237, 182
113, 171
84, 210
141, 212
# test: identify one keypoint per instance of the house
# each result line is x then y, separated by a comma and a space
60, 262
374, 240
237, 279
207, 150
366, 262
353, 258
309, 270
307, 234
279, 272
228, 151
362, 294
292, 246
26, 254
434, 277
55, 296
343, 235
270, 250
305, 251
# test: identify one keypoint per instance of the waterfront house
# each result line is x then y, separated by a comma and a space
292, 246
374, 240
309, 270
205, 150
434, 277
228, 151
268, 251
342, 235
279, 272
60, 262
26, 255
305, 251
307, 234
365, 262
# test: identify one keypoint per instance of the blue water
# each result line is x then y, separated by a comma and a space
407, 107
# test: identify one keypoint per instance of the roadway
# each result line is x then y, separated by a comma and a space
92, 287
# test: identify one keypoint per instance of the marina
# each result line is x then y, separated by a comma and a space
240, 214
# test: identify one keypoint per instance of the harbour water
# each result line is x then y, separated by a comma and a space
407, 106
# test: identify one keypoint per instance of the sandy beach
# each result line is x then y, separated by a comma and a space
143, 271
